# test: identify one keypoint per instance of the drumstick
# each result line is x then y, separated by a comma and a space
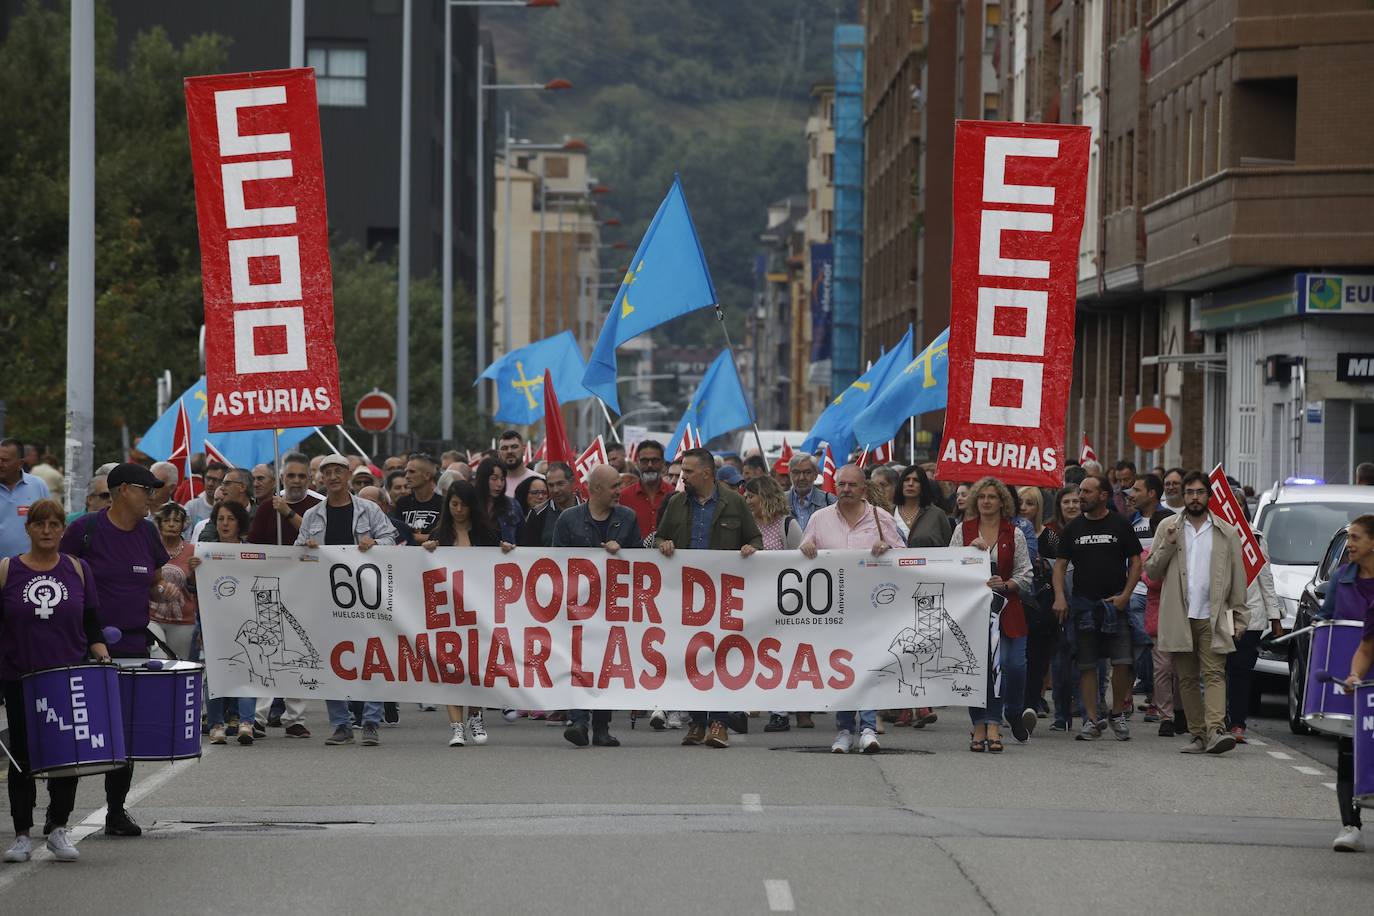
11, 757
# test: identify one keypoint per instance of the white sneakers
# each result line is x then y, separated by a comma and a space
675, 719
20, 850
477, 730
843, 742
868, 742
457, 739
61, 847
1348, 840
510, 715
658, 720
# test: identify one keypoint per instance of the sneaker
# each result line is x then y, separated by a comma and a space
576, 733
778, 722
60, 845
510, 715
297, 730
1221, 743
391, 714
258, 731
458, 738
1023, 725
1348, 840
904, 718
342, 735
1194, 746
1166, 728
274, 721
804, 720
868, 742
604, 738
1059, 725
718, 736
1120, 730
217, 734
1089, 732
428, 707
1151, 714
120, 823
696, 734
1238, 732
477, 729
843, 742
371, 738
925, 716
658, 720
245, 733
22, 849
674, 720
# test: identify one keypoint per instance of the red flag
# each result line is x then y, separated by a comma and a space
214, 454
529, 452
190, 485
594, 455
1086, 453
632, 456
556, 443
782, 465
828, 471
543, 450
1225, 504
685, 443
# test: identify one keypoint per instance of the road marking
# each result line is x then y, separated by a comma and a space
752, 801
1280, 755
94, 822
1309, 771
779, 896
1256, 742
1330, 785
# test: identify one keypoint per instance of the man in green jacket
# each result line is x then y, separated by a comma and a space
706, 516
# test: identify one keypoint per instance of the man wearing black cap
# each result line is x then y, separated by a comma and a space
126, 555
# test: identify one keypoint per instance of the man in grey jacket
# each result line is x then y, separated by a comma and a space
344, 519
599, 522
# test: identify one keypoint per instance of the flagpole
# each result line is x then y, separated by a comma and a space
276, 465
319, 432
353, 442
911, 445
758, 439
607, 414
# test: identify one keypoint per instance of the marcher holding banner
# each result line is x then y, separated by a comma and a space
48, 607
1350, 596
706, 516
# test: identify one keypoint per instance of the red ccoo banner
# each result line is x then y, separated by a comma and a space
1225, 504
264, 250
1018, 214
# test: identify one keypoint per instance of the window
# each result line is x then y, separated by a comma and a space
555, 166
828, 166
340, 74
1128, 194
1218, 107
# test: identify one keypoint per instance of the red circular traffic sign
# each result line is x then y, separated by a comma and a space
1149, 428
376, 411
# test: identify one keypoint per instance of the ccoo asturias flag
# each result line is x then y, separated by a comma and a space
667, 278
922, 386
519, 377
245, 448
717, 406
836, 423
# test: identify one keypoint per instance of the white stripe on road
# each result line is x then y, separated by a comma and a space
779, 896
1330, 785
1256, 742
1309, 771
752, 801
1280, 755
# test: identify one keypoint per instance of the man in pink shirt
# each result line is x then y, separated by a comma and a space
852, 523
511, 452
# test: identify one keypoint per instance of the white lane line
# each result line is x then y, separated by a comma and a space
1279, 755
93, 822
1330, 785
752, 801
779, 896
1309, 771
1256, 742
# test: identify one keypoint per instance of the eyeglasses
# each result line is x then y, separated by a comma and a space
106, 495
1195, 492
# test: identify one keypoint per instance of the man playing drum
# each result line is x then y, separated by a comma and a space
47, 619
1350, 596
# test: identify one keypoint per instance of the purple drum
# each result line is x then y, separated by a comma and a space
1325, 705
75, 721
161, 702
1364, 744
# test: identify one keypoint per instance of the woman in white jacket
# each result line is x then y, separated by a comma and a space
1266, 613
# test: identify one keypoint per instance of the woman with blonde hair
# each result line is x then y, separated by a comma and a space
988, 526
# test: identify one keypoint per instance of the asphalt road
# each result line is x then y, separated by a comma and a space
529, 824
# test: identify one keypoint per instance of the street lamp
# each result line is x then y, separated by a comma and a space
446, 408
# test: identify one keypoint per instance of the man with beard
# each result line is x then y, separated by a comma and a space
420, 509
511, 453
539, 526
651, 491
1197, 558
615, 456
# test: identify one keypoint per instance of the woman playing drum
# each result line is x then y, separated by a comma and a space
1350, 596
47, 619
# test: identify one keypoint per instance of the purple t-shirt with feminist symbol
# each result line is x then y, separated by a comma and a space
125, 564
47, 618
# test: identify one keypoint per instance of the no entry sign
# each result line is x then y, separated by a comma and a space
1149, 428
376, 411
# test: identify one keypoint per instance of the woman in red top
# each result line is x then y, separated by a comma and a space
175, 612
987, 526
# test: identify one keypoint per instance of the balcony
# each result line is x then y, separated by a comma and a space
1250, 220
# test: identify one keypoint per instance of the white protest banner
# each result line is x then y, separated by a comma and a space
582, 629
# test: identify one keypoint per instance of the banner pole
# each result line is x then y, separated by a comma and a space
607, 414
758, 439
276, 451
354, 442
911, 444
319, 432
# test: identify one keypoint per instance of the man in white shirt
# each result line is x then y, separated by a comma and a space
1197, 559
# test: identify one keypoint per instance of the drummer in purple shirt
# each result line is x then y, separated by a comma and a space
1350, 596
126, 554
47, 619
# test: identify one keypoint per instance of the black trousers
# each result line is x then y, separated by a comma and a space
601, 718
1345, 784
23, 788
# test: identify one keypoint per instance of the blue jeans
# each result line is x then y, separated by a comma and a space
1012, 659
214, 709
339, 716
868, 718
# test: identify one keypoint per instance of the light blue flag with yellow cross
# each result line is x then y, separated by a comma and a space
519, 377
835, 425
922, 386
